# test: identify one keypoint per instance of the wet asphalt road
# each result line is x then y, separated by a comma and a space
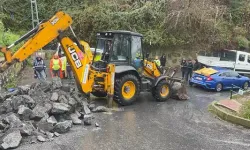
148, 125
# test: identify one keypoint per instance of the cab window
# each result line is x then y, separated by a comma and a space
136, 49
241, 57
120, 48
248, 59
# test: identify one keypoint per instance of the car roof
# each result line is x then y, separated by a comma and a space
220, 69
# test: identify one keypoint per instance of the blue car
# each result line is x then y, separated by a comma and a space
218, 79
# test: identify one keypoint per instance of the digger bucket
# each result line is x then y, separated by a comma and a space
178, 85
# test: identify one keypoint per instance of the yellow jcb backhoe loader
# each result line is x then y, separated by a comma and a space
121, 74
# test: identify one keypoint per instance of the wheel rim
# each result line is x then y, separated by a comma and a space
219, 87
245, 86
164, 91
128, 90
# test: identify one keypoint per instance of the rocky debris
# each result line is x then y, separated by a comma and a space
179, 91
52, 120
63, 127
60, 108
56, 83
26, 129
45, 126
41, 138
2, 125
13, 121
66, 87
24, 112
100, 109
91, 106
54, 96
87, 120
97, 125
11, 140
49, 135
24, 89
75, 119
41, 112
63, 99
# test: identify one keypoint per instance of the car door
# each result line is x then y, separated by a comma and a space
234, 76
226, 80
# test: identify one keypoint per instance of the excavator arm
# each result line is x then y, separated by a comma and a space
37, 38
79, 55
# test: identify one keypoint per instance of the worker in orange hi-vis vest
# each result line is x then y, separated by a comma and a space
55, 66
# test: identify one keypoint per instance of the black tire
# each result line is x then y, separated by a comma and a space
99, 94
191, 84
245, 85
158, 89
119, 85
218, 87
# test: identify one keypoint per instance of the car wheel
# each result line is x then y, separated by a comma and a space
245, 86
218, 87
191, 84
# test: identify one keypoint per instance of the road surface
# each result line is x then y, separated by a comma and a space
149, 125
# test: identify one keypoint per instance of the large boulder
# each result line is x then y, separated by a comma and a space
52, 120
39, 112
63, 127
13, 120
24, 112
11, 140
54, 96
60, 108
75, 119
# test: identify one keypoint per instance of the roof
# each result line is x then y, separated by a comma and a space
122, 32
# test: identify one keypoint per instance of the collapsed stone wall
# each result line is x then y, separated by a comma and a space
11, 73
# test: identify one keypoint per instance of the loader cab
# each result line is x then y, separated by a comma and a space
121, 48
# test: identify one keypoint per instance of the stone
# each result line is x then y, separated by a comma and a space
63, 127
2, 125
60, 108
24, 89
13, 121
97, 125
6, 107
12, 140
72, 102
86, 110
48, 106
100, 109
45, 126
52, 120
45, 117
91, 106
24, 112
29, 101
17, 101
65, 87
49, 135
78, 114
41, 138
63, 99
54, 96
87, 120
56, 83
75, 119
39, 112
26, 129
56, 134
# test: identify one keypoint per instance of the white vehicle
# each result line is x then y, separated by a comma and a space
238, 61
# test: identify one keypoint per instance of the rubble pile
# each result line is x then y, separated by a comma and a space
41, 112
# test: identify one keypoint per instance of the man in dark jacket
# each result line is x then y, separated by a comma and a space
183, 68
189, 69
196, 65
163, 60
39, 68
